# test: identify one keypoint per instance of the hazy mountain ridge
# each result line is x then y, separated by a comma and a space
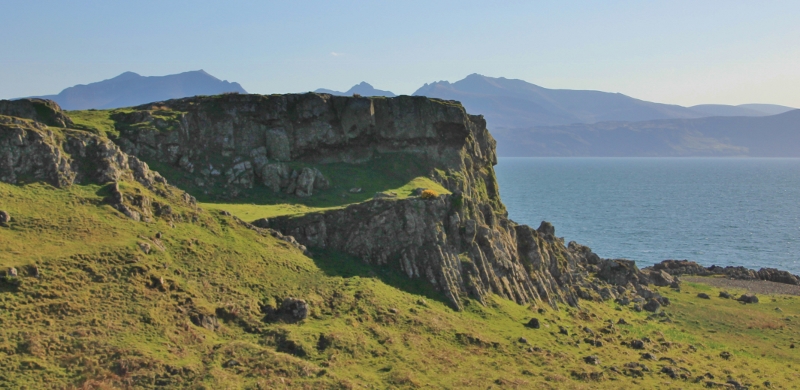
131, 89
766, 136
516, 103
363, 88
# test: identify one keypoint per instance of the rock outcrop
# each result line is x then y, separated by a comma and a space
686, 267
239, 141
43, 111
33, 152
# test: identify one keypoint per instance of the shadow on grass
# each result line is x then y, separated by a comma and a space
383, 172
335, 263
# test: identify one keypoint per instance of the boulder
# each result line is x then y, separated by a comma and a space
620, 272
295, 309
305, 182
275, 176
652, 306
12, 272
661, 278
145, 247
207, 321
725, 294
533, 323
703, 296
5, 217
261, 223
320, 181
748, 298
593, 360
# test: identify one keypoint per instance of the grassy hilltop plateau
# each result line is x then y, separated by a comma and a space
328, 242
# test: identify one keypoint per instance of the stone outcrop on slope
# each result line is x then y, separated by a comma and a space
686, 267
43, 111
461, 253
30, 151
33, 152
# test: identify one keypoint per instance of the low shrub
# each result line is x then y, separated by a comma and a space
429, 194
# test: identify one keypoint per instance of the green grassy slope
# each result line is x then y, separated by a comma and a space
99, 316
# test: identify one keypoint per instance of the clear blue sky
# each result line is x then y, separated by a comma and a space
682, 52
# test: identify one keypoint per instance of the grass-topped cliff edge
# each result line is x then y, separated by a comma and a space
184, 299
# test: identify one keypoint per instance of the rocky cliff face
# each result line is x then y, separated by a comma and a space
238, 141
462, 247
463, 244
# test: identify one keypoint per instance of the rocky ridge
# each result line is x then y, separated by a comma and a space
32, 151
687, 267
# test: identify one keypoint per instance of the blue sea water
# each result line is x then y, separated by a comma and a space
711, 210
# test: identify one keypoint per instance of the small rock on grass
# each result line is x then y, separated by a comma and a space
748, 298
5, 217
649, 356
652, 306
703, 296
593, 360
533, 323
725, 294
145, 247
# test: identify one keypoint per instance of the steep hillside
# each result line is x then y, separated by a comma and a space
113, 278
130, 89
765, 136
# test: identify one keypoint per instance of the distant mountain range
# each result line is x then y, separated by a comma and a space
526, 119
517, 103
765, 136
130, 89
363, 89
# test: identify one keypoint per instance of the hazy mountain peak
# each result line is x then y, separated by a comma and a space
131, 89
363, 88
